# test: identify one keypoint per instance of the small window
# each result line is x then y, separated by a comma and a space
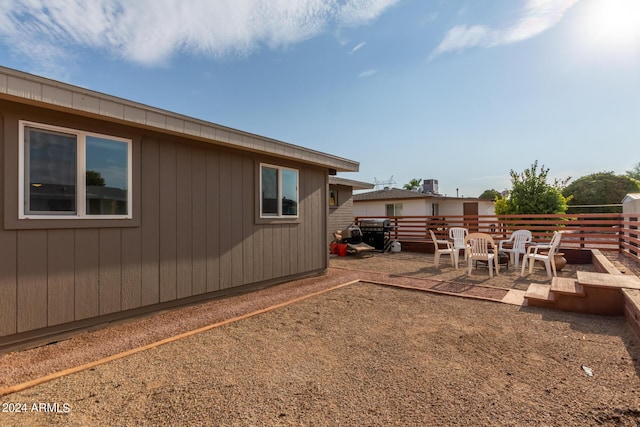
278, 192
333, 198
394, 209
66, 173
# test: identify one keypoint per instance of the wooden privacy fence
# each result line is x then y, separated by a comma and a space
613, 232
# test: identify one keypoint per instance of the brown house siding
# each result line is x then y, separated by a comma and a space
194, 232
341, 216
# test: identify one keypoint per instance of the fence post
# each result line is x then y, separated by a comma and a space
395, 228
633, 227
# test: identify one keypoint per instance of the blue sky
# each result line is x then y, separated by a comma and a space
458, 91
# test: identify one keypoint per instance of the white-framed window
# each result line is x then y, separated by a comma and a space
278, 192
68, 173
394, 209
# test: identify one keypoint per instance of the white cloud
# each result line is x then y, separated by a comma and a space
537, 17
357, 47
151, 31
368, 73
429, 18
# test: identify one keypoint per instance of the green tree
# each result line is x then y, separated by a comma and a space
412, 185
490, 195
634, 172
95, 178
602, 188
532, 194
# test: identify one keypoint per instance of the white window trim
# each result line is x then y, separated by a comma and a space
396, 207
80, 173
280, 169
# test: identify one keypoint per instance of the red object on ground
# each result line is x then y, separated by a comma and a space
342, 249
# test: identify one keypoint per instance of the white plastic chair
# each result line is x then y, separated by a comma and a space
481, 247
517, 243
457, 235
533, 254
447, 250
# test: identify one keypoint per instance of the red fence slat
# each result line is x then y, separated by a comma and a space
617, 232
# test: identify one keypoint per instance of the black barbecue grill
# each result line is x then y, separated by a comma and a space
376, 233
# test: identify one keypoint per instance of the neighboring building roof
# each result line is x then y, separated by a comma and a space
34, 90
399, 194
389, 194
356, 185
631, 196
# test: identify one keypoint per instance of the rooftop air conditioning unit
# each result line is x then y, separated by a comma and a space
430, 186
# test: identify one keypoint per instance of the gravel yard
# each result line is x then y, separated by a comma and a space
362, 354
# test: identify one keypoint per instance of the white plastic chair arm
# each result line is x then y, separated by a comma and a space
534, 248
444, 242
502, 242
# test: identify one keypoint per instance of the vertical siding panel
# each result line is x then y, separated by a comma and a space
258, 229
110, 285
302, 246
60, 276
184, 241
276, 238
131, 268
32, 280
302, 212
87, 296
258, 253
168, 218
293, 249
325, 211
8, 249
225, 220
213, 221
199, 220
286, 249
318, 220
308, 218
8, 284
319, 224
150, 221
268, 254
237, 217
313, 220
248, 213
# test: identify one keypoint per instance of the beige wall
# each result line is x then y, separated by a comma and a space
341, 215
456, 207
378, 207
632, 206
420, 207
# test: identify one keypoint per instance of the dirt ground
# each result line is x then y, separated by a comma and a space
361, 354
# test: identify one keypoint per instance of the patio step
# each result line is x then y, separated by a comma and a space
539, 294
606, 280
567, 286
632, 308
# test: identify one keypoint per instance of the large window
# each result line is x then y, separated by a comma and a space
66, 173
278, 192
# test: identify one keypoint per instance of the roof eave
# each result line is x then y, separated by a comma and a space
356, 185
30, 89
